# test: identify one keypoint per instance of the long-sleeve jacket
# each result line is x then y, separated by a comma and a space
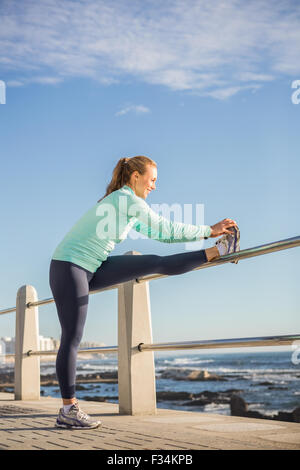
90, 241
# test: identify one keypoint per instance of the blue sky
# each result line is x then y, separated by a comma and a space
202, 88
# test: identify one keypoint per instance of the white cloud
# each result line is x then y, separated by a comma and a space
14, 83
257, 77
137, 109
35, 79
224, 93
218, 48
47, 80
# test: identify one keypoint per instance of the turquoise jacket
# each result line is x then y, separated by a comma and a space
108, 222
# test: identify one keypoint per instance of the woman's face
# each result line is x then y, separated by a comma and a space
144, 184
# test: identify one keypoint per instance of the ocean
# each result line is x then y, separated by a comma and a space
268, 381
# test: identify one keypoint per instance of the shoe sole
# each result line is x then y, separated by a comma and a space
69, 426
232, 243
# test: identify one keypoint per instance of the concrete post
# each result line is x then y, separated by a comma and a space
136, 370
27, 368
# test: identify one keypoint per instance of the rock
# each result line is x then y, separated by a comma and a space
189, 374
93, 398
214, 397
296, 415
97, 398
264, 383
255, 414
238, 406
207, 397
284, 416
202, 375
103, 377
198, 375
197, 402
232, 390
207, 394
80, 387
166, 395
292, 417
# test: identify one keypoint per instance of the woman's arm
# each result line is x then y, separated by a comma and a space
156, 227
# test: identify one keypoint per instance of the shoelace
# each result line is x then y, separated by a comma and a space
82, 415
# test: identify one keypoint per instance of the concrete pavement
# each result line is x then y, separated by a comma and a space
30, 425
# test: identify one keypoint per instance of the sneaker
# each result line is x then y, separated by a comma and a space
229, 243
75, 419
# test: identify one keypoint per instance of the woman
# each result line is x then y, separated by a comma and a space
81, 263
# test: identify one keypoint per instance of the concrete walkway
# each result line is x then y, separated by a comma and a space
30, 425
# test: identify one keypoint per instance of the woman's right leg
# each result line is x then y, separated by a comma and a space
123, 268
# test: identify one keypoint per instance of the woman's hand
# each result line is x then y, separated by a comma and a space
222, 227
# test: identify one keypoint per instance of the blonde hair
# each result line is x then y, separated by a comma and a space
124, 169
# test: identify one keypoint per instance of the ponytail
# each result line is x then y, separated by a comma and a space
123, 170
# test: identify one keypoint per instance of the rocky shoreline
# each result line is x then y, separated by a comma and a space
7, 378
48, 380
238, 407
231, 397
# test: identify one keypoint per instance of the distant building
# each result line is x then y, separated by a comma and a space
87, 344
45, 344
2, 351
9, 344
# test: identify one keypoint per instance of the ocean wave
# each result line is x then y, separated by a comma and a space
96, 367
279, 379
227, 370
218, 408
250, 370
185, 360
256, 406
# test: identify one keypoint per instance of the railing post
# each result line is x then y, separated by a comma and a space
27, 368
136, 370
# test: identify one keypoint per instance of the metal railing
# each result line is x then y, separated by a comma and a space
133, 297
243, 254
283, 340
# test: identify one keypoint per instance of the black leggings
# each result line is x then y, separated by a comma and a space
70, 285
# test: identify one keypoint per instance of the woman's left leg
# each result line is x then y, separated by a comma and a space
123, 268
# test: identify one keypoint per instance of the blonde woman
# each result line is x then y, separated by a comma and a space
81, 263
